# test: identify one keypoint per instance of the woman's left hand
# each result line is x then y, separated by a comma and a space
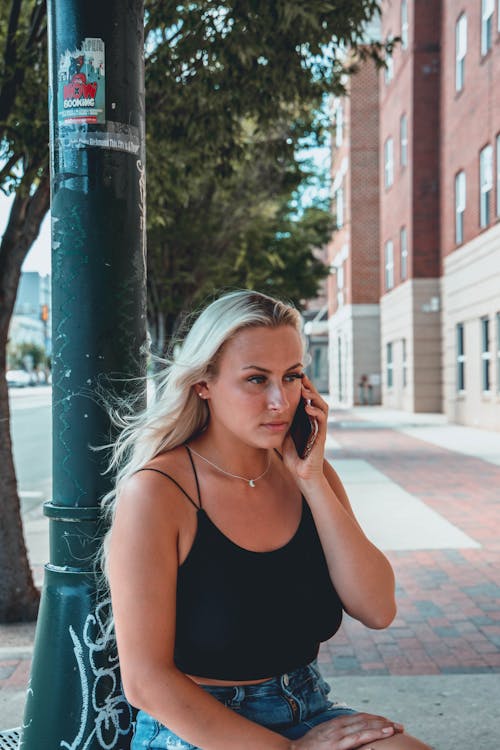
311, 467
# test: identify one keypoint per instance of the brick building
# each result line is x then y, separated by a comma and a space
438, 142
470, 211
354, 325
409, 208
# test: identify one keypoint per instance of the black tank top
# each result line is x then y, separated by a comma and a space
244, 615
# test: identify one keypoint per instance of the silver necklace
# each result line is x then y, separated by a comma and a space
250, 482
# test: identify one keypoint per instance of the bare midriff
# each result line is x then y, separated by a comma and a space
224, 683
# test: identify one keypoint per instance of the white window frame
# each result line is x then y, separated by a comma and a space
389, 162
339, 206
485, 355
404, 356
460, 204
460, 51
403, 140
487, 8
498, 170
498, 351
340, 285
485, 184
389, 69
403, 249
389, 265
404, 24
340, 374
339, 124
389, 364
461, 358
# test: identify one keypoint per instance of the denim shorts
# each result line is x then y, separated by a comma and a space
290, 705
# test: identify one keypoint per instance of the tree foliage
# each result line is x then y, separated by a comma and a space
24, 174
232, 90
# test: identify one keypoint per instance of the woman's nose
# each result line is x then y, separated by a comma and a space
277, 400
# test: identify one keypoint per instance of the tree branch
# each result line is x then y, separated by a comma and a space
36, 31
9, 88
4, 172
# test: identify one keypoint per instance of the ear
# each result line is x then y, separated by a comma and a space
201, 389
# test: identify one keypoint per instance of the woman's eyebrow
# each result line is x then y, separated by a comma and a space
263, 369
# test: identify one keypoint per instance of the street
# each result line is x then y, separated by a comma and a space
32, 443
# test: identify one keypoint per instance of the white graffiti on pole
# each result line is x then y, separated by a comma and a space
105, 714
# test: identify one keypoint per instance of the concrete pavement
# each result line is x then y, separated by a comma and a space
436, 513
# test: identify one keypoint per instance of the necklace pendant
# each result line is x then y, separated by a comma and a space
251, 483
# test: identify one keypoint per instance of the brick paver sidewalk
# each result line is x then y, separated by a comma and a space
449, 599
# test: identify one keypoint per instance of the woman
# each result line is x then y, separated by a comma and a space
230, 558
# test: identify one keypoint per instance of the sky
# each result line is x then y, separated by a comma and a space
38, 258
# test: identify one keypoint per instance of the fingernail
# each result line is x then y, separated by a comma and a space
387, 730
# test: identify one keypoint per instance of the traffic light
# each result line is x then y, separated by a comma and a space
44, 315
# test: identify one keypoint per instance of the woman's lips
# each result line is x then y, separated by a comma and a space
276, 426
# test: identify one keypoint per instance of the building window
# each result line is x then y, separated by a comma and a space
460, 186
340, 381
487, 7
339, 124
388, 162
498, 172
460, 357
403, 140
340, 285
389, 265
404, 24
389, 67
405, 365
390, 366
403, 242
485, 184
498, 351
485, 353
339, 206
460, 51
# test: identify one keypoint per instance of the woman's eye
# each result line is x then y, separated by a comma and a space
293, 376
257, 379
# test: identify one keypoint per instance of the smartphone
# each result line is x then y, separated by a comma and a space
303, 430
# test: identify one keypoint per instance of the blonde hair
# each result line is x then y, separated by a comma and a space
176, 413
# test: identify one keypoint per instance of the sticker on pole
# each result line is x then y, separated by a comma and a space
81, 79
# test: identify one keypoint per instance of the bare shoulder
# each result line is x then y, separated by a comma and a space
153, 499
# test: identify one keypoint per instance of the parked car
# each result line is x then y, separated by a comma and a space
18, 378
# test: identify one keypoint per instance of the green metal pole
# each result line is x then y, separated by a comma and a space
96, 100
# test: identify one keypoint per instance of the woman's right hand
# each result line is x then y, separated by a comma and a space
347, 733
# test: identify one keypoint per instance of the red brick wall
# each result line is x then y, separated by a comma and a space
413, 199
365, 232
470, 119
340, 236
361, 205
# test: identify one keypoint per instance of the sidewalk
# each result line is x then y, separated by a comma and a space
436, 514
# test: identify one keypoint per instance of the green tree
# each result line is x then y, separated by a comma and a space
24, 175
234, 88
231, 87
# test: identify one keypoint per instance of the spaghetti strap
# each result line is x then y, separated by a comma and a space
159, 471
195, 474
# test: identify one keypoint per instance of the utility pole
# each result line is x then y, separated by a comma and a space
96, 101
